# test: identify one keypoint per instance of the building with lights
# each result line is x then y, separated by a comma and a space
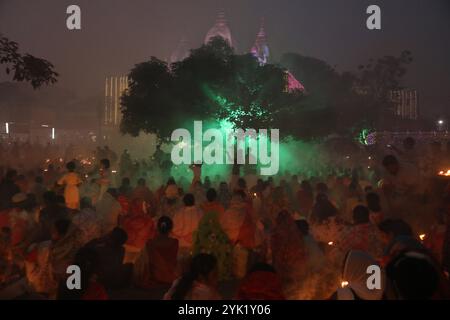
405, 103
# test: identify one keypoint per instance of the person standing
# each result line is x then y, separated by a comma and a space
71, 181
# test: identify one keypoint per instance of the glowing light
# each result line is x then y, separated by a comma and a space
53, 133
255, 195
422, 237
114, 171
444, 173
344, 284
7, 127
44, 126
441, 122
330, 243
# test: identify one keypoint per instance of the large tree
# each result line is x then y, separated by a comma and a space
345, 102
212, 83
25, 67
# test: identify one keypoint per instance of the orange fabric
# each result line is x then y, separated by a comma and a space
260, 285
247, 232
139, 226
95, 292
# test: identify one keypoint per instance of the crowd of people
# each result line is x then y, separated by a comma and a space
293, 236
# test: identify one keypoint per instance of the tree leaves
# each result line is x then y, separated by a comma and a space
25, 67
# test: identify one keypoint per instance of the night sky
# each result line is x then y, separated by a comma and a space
116, 34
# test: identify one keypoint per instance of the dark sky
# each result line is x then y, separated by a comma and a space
116, 34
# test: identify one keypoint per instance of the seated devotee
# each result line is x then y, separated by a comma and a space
326, 226
185, 223
143, 193
65, 244
261, 283
108, 210
374, 204
434, 240
198, 191
50, 213
39, 189
224, 195
139, 227
355, 278
157, 263
87, 221
125, 188
21, 224
316, 257
212, 204
288, 253
71, 182
414, 275
91, 288
210, 237
397, 236
305, 198
8, 188
362, 236
111, 270
199, 282
402, 189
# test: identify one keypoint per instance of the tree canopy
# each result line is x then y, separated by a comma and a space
212, 83
215, 83
25, 67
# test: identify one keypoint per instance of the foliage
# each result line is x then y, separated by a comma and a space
25, 67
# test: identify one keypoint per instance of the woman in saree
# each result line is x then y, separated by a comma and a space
210, 238
157, 264
288, 253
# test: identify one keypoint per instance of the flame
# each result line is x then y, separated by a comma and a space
330, 243
422, 236
444, 173
344, 284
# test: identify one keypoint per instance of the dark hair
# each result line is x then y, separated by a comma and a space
323, 208
189, 200
62, 226
39, 179
413, 275
261, 266
85, 202
141, 182
201, 265
105, 163
242, 183
118, 237
373, 202
397, 227
303, 226
389, 160
126, 181
49, 197
11, 174
70, 166
165, 225
240, 193
211, 195
60, 199
360, 215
